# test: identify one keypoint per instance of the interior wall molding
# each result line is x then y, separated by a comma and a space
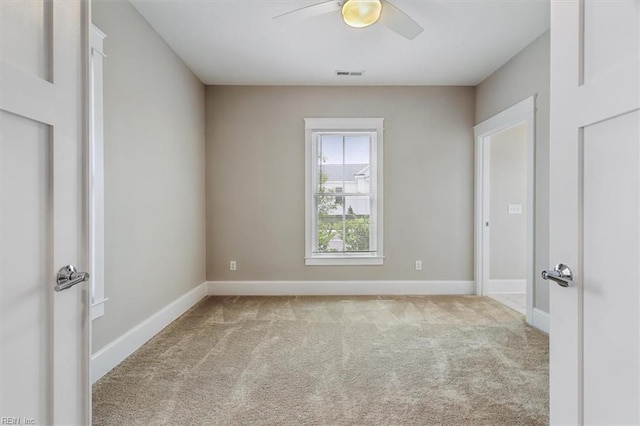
541, 320
118, 350
339, 288
105, 359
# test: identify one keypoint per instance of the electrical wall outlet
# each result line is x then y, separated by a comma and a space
232, 265
418, 265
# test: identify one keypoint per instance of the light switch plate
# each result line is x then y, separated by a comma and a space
515, 208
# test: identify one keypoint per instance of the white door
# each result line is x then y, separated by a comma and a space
595, 212
44, 334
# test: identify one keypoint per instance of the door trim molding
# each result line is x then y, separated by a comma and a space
520, 113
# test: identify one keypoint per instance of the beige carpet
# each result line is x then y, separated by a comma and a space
334, 361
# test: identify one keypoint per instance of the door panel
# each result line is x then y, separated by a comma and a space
29, 50
44, 345
610, 33
594, 213
25, 194
611, 308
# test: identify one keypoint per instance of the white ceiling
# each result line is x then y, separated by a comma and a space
238, 43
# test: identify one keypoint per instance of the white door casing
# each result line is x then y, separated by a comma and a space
521, 113
44, 334
595, 212
96, 176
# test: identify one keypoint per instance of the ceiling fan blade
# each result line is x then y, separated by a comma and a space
398, 21
310, 11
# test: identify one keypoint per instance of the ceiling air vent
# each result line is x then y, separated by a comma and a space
349, 73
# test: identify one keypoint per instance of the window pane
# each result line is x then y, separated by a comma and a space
330, 149
343, 226
357, 205
357, 164
357, 149
330, 157
357, 224
343, 163
329, 224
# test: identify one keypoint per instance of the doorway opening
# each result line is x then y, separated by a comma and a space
505, 213
505, 207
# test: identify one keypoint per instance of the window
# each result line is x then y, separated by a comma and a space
343, 191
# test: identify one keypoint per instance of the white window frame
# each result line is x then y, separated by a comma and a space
313, 126
96, 178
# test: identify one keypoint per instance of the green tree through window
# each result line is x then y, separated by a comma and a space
351, 229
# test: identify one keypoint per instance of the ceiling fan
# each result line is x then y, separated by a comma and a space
362, 13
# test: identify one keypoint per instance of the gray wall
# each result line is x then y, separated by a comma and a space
508, 185
524, 75
154, 173
255, 180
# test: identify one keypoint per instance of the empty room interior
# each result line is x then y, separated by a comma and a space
301, 222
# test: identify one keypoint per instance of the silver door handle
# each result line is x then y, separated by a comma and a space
561, 274
68, 276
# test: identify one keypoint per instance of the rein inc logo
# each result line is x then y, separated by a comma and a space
17, 421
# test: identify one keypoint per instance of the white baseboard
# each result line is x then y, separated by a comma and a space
115, 352
338, 288
541, 320
118, 350
507, 286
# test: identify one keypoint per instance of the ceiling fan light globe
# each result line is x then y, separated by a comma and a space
361, 13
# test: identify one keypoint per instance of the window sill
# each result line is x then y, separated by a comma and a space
344, 260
